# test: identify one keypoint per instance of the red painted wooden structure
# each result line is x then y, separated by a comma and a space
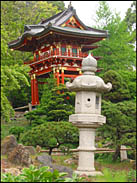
58, 44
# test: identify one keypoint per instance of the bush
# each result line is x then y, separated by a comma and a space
51, 135
16, 130
32, 174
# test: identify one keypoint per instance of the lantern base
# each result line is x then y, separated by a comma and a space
88, 173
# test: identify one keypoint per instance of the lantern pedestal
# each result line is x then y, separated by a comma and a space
87, 124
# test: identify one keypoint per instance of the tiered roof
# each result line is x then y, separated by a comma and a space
58, 24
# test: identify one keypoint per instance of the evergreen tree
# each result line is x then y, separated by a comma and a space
119, 107
56, 104
116, 51
118, 59
120, 127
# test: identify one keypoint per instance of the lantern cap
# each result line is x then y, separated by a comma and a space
89, 65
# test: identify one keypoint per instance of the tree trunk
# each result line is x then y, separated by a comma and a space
117, 153
50, 151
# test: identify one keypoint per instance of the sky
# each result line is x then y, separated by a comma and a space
86, 9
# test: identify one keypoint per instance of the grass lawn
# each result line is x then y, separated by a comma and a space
113, 171
6, 126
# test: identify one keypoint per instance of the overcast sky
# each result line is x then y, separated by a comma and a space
86, 9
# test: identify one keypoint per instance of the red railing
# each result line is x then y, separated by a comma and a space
57, 53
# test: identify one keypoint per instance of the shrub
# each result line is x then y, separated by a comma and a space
51, 135
16, 130
32, 174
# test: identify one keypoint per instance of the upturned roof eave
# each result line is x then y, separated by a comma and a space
75, 32
49, 28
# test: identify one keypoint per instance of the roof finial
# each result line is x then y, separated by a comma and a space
70, 4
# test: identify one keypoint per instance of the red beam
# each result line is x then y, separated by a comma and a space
70, 76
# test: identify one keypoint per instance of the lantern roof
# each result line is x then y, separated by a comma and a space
88, 81
66, 22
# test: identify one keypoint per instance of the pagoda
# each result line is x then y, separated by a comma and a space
58, 44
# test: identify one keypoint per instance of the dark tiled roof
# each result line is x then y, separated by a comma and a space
54, 23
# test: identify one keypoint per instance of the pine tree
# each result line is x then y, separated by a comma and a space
56, 104
118, 59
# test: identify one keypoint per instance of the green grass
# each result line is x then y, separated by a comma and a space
6, 126
112, 171
112, 176
60, 161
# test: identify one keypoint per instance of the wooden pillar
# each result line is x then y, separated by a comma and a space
62, 76
37, 93
34, 90
57, 77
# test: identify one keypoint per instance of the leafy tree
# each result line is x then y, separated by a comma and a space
104, 15
15, 82
11, 78
130, 17
59, 4
51, 135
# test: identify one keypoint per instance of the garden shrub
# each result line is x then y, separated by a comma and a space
43, 174
16, 130
51, 135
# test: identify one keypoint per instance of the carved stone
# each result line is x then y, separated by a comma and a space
87, 117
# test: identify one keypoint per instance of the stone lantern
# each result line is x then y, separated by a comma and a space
87, 117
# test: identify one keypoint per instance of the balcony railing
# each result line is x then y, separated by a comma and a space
58, 53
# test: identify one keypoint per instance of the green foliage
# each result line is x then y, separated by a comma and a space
43, 174
129, 77
59, 4
119, 91
16, 130
56, 104
132, 176
116, 51
118, 59
105, 157
75, 178
103, 14
51, 135
120, 125
112, 176
15, 80
36, 117
130, 17
12, 77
